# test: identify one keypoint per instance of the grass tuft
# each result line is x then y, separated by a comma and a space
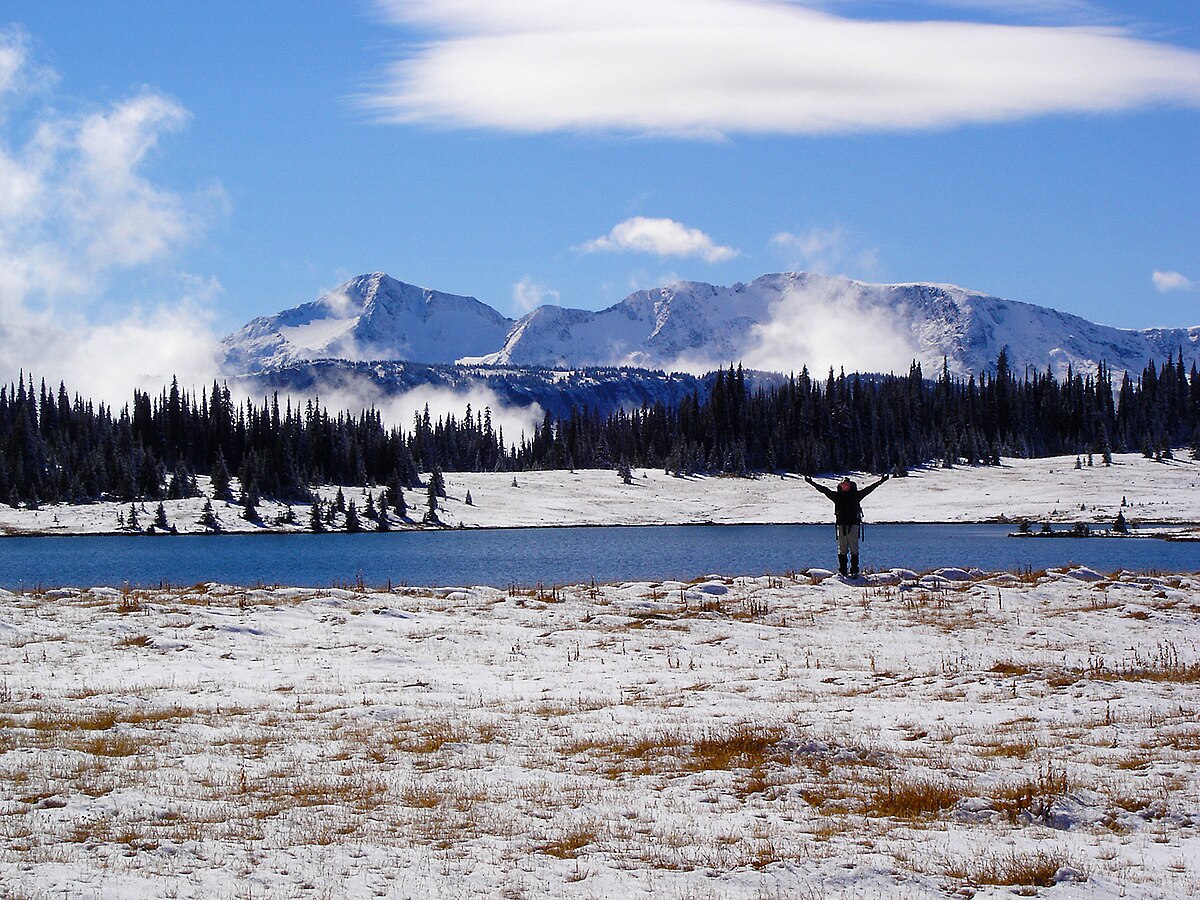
1019, 870
912, 799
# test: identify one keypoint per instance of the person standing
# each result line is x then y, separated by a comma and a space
847, 516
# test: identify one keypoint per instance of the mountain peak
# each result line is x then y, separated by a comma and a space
778, 322
371, 316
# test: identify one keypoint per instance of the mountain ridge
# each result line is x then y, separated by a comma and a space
777, 322
369, 317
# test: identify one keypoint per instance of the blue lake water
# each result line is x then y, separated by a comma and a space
550, 555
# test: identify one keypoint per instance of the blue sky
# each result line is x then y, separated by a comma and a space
184, 163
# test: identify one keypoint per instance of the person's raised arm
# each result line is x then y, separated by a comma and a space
872, 487
820, 487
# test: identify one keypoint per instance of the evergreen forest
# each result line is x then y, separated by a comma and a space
55, 447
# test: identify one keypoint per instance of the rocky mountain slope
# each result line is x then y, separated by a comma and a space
778, 322
367, 318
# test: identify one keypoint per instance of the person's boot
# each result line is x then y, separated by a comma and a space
854, 566
842, 563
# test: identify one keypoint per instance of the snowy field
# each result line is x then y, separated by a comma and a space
955, 734
1039, 490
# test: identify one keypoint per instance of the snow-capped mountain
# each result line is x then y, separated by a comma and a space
778, 322
369, 317
785, 321
678, 326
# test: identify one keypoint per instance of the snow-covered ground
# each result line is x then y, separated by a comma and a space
1038, 490
950, 735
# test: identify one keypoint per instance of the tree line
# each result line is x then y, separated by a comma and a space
884, 423
59, 448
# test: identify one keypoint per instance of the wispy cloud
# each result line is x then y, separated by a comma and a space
1166, 282
827, 251
825, 323
712, 67
662, 237
528, 295
828, 324
75, 208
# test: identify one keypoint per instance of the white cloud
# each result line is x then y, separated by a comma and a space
711, 67
356, 393
662, 237
17, 72
827, 324
12, 59
827, 251
527, 295
76, 210
1166, 282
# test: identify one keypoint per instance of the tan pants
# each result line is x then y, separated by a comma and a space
847, 539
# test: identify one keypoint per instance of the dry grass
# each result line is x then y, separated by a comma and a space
1018, 869
136, 640
1007, 667
622, 764
738, 747
1031, 796
1014, 748
910, 798
746, 747
569, 844
113, 745
432, 735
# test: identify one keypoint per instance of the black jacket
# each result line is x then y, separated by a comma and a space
847, 511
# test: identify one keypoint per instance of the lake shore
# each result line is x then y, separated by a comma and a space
955, 732
1041, 490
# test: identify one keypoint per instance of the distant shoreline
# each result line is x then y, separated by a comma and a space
1137, 532
1038, 491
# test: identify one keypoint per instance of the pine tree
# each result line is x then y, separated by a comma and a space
467, 500
160, 518
250, 508
438, 482
316, 521
221, 479
208, 518
431, 511
353, 524
132, 519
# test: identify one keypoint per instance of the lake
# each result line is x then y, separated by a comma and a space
551, 555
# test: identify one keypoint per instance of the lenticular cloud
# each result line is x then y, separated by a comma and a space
712, 67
